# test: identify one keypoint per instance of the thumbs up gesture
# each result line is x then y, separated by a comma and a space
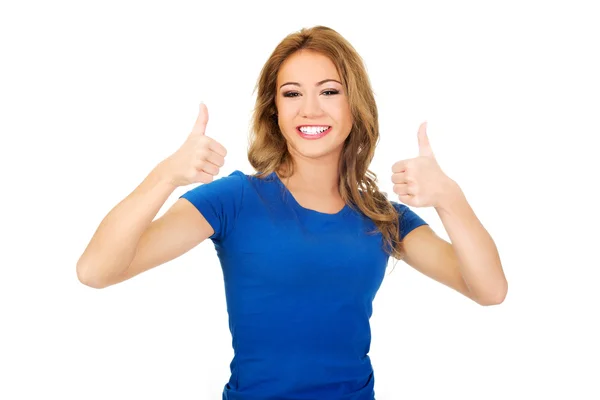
420, 182
198, 159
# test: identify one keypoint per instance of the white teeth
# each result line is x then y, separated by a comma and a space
313, 130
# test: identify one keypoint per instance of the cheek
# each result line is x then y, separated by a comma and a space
344, 118
286, 124
339, 110
286, 114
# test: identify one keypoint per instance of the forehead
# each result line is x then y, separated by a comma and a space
307, 66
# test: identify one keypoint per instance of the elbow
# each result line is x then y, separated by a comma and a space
87, 278
493, 301
494, 298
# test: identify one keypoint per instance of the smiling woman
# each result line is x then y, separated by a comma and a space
304, 241
309, 110
315, 79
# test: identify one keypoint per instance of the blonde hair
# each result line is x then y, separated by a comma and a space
268, 152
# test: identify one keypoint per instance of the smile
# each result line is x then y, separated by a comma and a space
313, 131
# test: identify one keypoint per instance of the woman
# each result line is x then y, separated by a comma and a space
305, 241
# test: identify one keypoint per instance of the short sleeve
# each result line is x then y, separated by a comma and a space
219, 202
409, 220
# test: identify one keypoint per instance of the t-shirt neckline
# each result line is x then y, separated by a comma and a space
310, 211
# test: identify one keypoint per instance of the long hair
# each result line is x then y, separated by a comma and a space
268, 152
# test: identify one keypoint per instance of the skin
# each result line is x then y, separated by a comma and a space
469, 263
130, 240
309, 92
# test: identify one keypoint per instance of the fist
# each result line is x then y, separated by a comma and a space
199, 158
420, 181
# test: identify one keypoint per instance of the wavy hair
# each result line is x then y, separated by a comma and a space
268, 152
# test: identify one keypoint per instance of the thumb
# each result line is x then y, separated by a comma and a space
200, 126
424, 146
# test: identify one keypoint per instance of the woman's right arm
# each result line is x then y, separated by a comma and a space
129, 241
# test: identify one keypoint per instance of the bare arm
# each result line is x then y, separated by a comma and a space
470, 264
129, 241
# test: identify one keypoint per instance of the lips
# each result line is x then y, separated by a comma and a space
313, 131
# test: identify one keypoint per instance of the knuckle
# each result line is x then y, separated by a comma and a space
199, 164
202, 153
203, 142
203, 139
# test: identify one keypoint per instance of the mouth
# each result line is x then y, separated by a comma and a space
313, 131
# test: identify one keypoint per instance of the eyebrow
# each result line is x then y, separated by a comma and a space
317, 84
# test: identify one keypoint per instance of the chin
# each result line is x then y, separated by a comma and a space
315, 152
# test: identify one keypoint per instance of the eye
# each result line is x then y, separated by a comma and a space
329, 92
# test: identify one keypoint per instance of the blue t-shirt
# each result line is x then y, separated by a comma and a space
299, 287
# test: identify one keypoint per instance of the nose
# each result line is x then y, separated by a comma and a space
310, 107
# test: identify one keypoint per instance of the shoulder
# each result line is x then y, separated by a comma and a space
230, 184
402, 209
225, 193
219, 201
408, 218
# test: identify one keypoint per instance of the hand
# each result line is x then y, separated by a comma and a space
420, 182
199, 157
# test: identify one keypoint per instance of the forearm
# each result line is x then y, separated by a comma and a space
475, 249
113, 245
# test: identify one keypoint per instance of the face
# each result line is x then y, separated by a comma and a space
312, 107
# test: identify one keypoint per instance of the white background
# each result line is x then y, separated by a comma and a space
95, 94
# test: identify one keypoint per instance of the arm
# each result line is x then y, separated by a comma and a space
129, 242
470, 264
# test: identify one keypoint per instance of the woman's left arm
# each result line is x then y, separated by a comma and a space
476, 252
469, 264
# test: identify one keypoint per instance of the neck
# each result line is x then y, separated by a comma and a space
317, 176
